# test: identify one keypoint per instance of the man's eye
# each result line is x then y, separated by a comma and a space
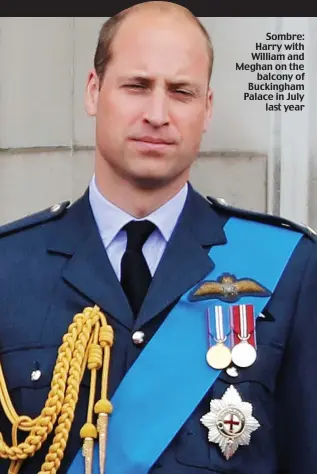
135, 86
183, 92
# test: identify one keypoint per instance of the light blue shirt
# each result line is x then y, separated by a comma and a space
110, 219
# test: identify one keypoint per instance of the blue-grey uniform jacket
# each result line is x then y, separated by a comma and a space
53, 264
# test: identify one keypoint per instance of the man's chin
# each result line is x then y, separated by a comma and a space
151, 182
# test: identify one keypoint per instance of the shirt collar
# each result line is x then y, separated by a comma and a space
110, 219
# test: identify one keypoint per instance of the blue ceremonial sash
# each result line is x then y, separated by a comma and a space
171, 376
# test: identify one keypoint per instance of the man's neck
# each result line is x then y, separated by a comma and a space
137, 201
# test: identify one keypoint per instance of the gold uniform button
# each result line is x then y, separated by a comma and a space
138, 337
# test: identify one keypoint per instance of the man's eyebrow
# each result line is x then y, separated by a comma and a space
135, 78
176, 84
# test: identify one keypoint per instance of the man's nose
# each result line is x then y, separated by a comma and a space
157, 110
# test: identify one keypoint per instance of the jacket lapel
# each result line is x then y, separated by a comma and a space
185, 260
88, 269
184, 263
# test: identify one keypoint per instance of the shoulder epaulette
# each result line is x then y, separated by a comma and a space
34, 219
271, 219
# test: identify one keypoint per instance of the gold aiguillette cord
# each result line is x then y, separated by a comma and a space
87, 343
98, 357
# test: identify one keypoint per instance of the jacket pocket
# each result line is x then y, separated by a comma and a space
28, 375
254, 385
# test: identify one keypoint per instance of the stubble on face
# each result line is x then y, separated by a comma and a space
155, 86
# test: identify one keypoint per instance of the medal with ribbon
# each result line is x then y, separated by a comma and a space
218, 328
243, 336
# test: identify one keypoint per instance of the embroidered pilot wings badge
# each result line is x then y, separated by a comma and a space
228, 288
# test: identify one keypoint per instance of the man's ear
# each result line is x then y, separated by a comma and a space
209, 104
92, 93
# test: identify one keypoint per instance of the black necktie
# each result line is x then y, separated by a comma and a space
135, 273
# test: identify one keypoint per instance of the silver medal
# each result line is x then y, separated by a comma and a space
243, 354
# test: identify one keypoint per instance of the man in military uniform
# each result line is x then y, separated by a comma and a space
156, 329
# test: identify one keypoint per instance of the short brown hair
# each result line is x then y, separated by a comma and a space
103, 54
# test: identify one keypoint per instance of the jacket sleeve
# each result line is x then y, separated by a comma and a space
296, 392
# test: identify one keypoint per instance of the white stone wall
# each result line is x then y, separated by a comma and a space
46, 139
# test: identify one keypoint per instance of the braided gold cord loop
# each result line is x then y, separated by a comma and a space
106, 336
95, 357
82, 346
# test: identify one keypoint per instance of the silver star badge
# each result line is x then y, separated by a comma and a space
230, 422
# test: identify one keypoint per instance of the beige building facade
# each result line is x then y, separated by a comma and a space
260, 160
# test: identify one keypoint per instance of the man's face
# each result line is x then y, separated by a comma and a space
154, 102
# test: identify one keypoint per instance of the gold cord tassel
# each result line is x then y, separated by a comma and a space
102, 426
103, 407
86, 344
88, 449
89, 431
